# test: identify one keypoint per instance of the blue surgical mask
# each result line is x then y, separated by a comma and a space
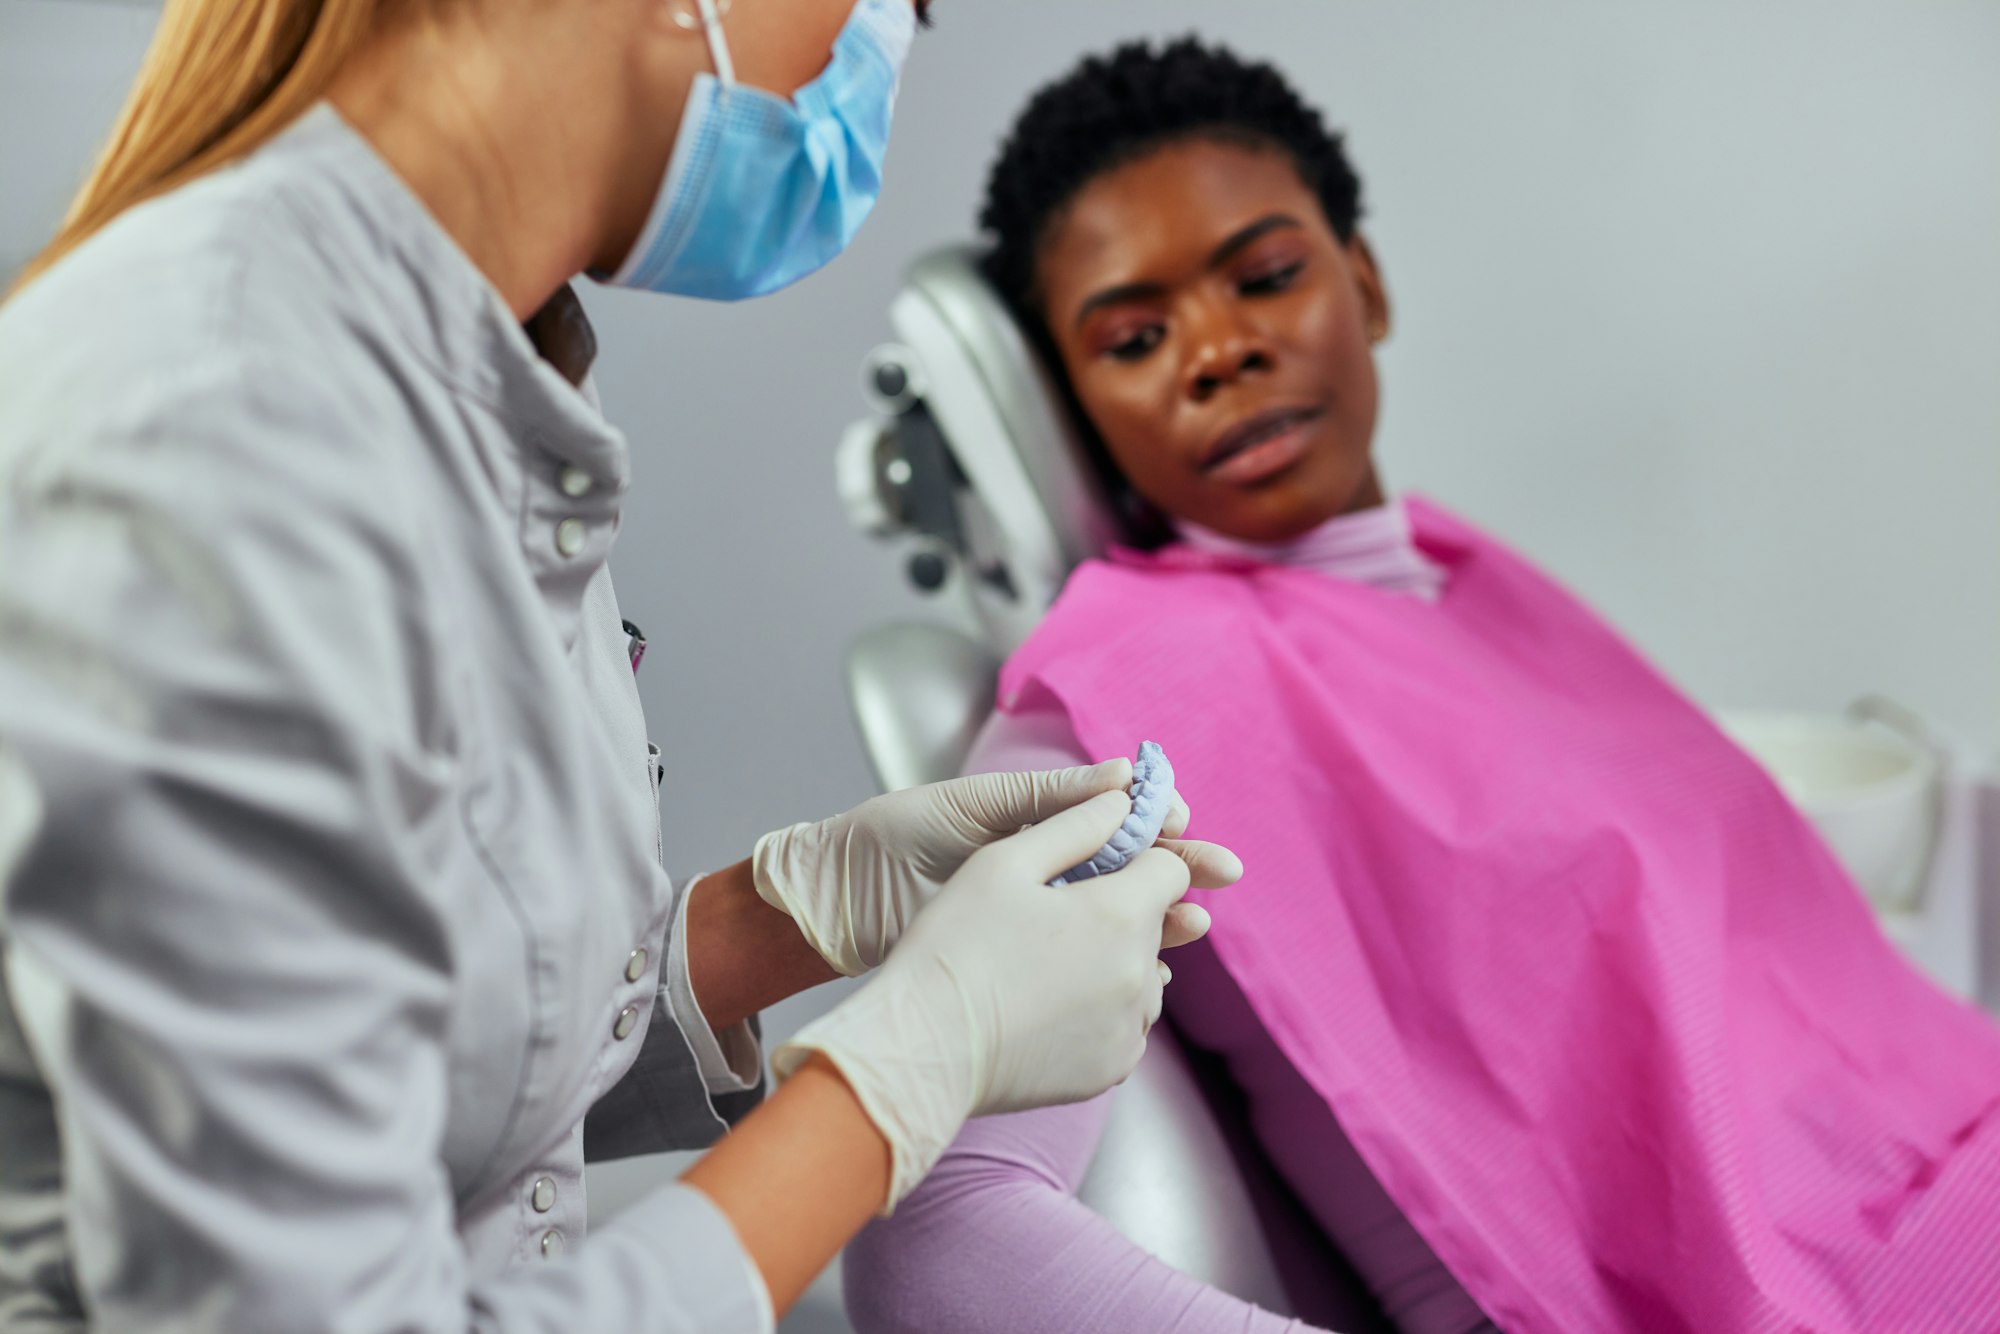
761, 190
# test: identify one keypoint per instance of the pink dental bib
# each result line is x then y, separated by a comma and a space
1594, 1003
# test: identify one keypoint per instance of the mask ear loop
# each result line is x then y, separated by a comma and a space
708, 17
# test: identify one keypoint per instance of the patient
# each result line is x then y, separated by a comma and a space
1549, 1009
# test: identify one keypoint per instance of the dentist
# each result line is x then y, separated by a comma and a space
334, 933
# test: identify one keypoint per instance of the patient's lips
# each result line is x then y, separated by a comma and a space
1261, 446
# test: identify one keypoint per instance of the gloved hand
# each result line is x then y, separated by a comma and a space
1007, 992
853, 883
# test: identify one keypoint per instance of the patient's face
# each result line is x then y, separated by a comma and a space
1218, 335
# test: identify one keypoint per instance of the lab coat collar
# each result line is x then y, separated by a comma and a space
447, 313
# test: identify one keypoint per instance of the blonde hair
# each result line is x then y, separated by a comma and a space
221, 79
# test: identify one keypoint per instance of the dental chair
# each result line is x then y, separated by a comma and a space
972, 463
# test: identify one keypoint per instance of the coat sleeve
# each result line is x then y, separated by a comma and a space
688, 1083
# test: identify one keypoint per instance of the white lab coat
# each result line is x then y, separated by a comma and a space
346, 907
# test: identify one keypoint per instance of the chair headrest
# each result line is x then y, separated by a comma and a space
945, 292
981, 457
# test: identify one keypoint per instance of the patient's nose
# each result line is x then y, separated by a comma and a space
1224, 350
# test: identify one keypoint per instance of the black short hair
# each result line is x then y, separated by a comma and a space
1113, 109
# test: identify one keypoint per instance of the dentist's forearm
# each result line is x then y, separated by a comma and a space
743, 954
798, 1178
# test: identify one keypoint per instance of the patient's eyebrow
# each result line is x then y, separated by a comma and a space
1113, 296
1117, 296
1264, 226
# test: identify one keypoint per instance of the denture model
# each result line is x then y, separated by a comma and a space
1152, 797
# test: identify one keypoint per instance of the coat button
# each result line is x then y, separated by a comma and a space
569, 536
575, 482
628, 1018
635, 967
552, 1244
543, 1197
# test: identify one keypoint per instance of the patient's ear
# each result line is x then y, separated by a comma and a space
1368, 282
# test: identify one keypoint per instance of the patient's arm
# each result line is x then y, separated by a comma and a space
995, 1242
1036, 734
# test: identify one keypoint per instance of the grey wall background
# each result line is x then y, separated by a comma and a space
1697, 300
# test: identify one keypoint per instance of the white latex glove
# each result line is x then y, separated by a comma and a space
1007, 993
853, 883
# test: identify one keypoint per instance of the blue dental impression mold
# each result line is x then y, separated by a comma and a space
1152, 798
